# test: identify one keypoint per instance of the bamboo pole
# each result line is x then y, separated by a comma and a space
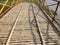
13, 1
4, 6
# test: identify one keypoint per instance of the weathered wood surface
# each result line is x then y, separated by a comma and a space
25, 33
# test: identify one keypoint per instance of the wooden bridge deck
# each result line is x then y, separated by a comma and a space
18, 27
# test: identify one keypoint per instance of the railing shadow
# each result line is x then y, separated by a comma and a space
34, 37
48, 36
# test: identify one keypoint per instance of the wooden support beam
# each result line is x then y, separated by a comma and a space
57, 7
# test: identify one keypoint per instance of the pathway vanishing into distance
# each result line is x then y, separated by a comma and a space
25, 24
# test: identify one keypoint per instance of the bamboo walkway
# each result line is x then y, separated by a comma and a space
25, 24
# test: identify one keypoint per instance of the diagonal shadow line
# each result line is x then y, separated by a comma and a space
37, 15
48, 37
34, 38
56, 31
47, 33
42, 17
54, 41
37, 26
33, 20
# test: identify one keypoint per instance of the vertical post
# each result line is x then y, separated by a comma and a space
56, 11
57, 7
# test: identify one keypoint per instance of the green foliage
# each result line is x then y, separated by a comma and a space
47, 10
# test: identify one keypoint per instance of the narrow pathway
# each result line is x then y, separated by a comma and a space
25, 24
